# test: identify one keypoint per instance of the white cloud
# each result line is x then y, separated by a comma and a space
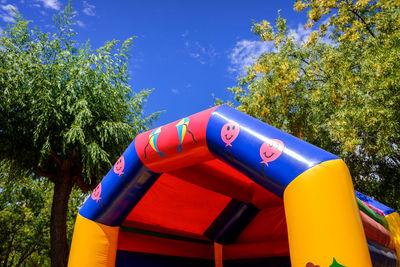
7, 14
245, 52
183, 35
88, 9
53, 4
80, 23
300, 34
175, 91
201, 53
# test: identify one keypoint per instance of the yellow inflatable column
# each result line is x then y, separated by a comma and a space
323, 220
93, 244
393, 220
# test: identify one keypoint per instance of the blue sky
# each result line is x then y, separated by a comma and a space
185, 50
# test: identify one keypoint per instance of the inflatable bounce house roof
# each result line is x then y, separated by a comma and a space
220, 188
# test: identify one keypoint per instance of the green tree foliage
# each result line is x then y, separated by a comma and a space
24, 219
340, 90
25, 206
66, 112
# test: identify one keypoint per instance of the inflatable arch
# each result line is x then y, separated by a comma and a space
222, 188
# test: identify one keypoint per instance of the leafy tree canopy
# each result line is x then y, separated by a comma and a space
60, 101
66, 111
339, 90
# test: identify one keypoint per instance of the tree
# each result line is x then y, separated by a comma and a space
25, 205
339, 90
24, 219
66, 112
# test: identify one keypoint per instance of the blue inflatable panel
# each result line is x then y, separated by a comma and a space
120, 190
374, 203
232, 220
251, 150
381, 256
137, 259
129, 259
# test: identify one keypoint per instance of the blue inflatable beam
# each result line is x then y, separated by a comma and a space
244, 152
374, 203
122, 190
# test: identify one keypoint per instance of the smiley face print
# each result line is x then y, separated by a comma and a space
271, 150
230, 132
119, 166
96, 193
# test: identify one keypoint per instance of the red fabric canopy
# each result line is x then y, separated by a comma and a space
185, 202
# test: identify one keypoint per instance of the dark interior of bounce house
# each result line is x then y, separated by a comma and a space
176, 221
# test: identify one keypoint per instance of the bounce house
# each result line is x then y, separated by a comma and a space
220, 188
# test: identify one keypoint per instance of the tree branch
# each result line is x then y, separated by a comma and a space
322, 79
70, 156
363, 21
25, 256
55, 157
8, 251
13, 256
40, 172
308, 63
83, 185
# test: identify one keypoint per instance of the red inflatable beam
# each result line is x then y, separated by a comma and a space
266, 249
376, 232
162, 246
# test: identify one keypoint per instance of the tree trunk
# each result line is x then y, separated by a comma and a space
58, 223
